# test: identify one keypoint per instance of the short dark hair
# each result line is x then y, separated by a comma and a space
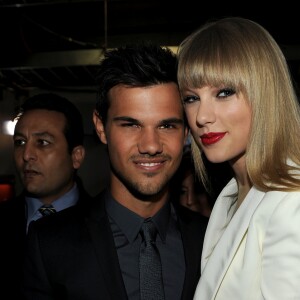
73, 130
135, 65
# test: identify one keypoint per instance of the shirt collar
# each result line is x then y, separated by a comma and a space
66, 200
130, 223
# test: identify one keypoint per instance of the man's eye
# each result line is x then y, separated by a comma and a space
43, 142
19, 142
224, 93
167, 126
134, 125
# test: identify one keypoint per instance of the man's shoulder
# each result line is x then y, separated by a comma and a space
192, 227
191, 217
72, 216
68, 226
84, 195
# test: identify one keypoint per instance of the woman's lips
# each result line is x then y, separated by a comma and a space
212, 137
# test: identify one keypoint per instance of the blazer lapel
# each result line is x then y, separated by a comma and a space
223, 237
102, 239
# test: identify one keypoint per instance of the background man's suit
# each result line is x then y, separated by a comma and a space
13, 223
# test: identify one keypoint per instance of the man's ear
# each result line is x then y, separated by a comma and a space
78, 154
99, 127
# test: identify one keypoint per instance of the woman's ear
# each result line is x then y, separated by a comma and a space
99, 127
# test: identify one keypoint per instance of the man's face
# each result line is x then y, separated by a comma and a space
145, 134
41, 154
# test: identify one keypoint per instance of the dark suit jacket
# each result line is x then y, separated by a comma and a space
13, 222
71, 255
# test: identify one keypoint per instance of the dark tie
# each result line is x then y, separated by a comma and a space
47, 210
151, 283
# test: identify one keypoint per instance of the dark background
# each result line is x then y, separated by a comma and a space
55, 44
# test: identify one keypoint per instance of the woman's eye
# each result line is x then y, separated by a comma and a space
183, 191
224, 93
190, 99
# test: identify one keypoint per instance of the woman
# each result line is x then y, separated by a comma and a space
188, 190
241, 108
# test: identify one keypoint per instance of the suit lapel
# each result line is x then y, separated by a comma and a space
102, 239
222, 240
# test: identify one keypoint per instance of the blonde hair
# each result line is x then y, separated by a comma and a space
241, 54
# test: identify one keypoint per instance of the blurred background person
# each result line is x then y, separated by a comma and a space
188, 189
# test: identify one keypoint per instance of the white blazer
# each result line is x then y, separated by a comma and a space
253, 254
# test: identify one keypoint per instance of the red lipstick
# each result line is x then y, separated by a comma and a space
211, 137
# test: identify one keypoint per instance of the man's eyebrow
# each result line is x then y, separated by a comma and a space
164, 121
125, 118
42, 134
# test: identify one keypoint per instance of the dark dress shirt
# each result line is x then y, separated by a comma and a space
126, 225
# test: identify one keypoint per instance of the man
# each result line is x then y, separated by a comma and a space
93, 253
48, 151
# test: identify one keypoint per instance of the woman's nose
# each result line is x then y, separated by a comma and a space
205, 114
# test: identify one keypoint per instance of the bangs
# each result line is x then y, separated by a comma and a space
213, 60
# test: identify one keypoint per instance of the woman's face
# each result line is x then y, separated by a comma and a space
220, 122
193, 198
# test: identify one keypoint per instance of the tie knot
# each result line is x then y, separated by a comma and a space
47, 210
149, 231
